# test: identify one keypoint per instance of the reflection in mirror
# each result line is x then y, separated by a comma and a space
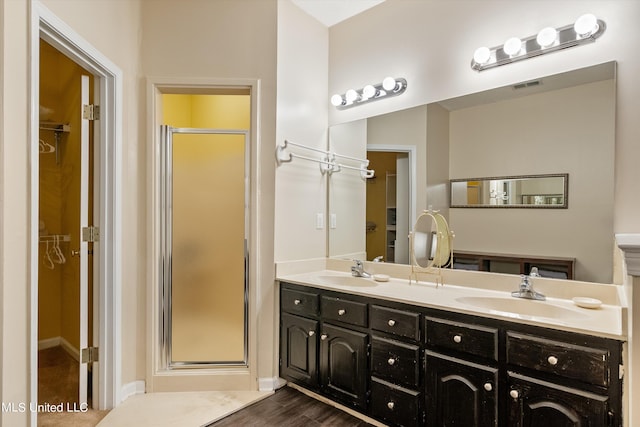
431, 245
565, 122
535, 191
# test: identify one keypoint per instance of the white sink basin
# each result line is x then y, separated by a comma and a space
522, 307
347, 281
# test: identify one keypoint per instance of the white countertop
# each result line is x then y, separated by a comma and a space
556, 313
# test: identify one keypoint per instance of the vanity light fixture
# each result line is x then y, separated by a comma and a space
587, 28
389, 87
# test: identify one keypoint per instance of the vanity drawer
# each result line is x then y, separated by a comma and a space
393, 404
395, 361
397, 322
577, 362
344, 310
304, 303
461, 337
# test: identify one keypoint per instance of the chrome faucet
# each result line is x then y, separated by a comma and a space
358, 269
526, 287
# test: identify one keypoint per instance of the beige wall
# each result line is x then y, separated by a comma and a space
302, 119
112, 28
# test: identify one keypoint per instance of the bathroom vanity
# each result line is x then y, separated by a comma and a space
421, 355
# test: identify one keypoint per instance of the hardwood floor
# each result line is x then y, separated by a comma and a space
290, 408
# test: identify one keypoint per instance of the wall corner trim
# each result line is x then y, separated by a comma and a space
270, 384
132, 388
629, 244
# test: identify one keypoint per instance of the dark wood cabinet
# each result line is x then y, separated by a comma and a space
298, 349
537, 403
343, 364
407, 365
462, 393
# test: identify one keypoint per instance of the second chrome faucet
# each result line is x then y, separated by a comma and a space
526, 287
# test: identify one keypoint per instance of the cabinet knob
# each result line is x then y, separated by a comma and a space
457, 338
341, 312
391, 322
390, 405
324, 337
297, 302
391, 361
312, 333
488, 386
553, 361
514, 394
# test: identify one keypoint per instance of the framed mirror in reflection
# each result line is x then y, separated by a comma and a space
564, 123
534, 191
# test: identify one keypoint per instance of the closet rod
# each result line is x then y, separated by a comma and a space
56, 127
52, 238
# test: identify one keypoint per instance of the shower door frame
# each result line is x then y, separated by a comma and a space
166, 231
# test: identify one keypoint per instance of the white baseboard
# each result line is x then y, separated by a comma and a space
48, 343
270, 384
131, 389
59, 341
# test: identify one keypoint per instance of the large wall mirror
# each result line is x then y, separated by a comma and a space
559, 124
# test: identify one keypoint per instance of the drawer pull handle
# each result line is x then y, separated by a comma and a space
553, 361
488, 386
457, 339
324, 337
391, 361
312, 333
390, 405
341, 312
391, 322
297, 302
514, 394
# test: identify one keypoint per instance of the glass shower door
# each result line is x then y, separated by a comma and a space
205, 245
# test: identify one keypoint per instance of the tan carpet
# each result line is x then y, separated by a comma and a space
58, 384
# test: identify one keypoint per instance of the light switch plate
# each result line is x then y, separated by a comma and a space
319, 221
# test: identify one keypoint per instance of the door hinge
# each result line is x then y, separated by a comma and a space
91, 112
89, 355
90, 234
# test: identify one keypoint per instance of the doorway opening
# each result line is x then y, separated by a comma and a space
66, 196
390, 201
60, 141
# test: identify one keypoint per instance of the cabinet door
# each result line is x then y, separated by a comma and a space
298, 349
343, 364
537, 403
460, 393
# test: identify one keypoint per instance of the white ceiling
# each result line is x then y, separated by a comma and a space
330, 12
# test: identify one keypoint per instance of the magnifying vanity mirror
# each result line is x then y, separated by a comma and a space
561, 124
430, 245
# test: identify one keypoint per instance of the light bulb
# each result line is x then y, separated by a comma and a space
512, 46
389, 84
369, 92
482, 55
337, 100
547, 36
586, 25
351, 96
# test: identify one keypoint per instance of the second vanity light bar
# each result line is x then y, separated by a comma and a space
389, 87
587, 28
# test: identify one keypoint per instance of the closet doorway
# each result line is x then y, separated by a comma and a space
389, 207
66, 233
